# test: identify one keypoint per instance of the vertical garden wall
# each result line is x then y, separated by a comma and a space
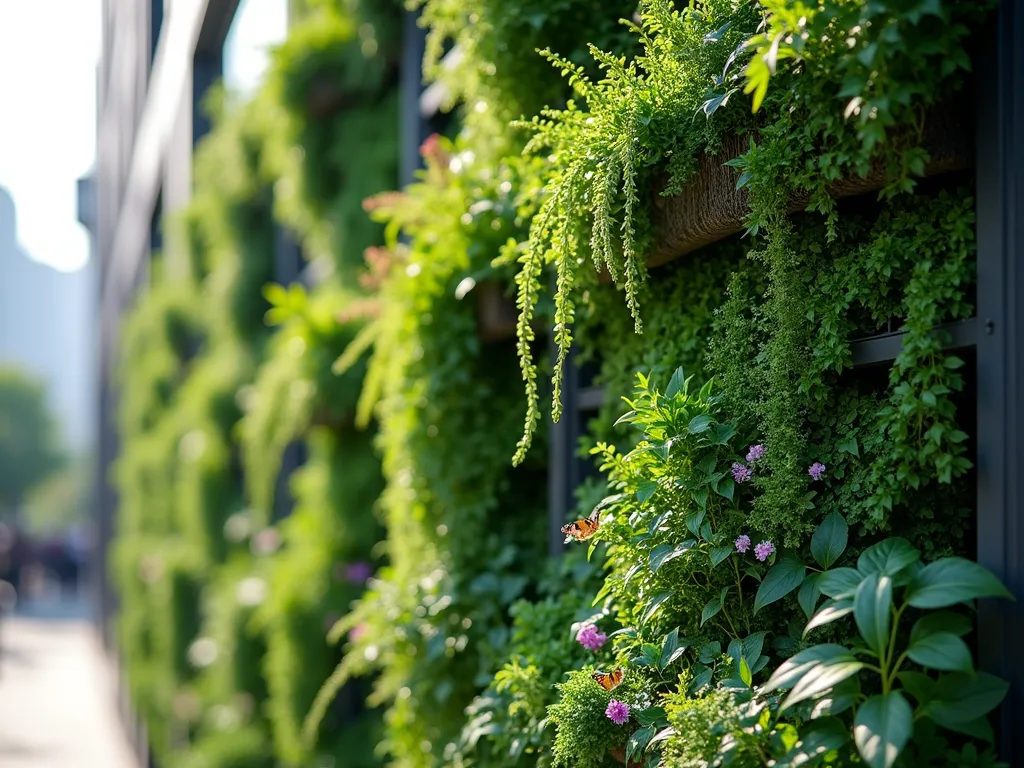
728, 213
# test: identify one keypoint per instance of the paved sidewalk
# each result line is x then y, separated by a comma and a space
57, 694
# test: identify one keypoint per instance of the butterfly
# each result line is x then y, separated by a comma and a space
608, 680
582, 529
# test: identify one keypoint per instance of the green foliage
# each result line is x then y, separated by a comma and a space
461, 548
609, 154
583, 731
494, 69
28, 439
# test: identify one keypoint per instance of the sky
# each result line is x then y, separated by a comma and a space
49, 51
48, 55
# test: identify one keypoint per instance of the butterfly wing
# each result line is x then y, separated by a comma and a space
609, 680
581, 530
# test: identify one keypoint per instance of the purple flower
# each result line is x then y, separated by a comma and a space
358, 572
617, 712
741, 472
756, 452
764, 550
816, 470
590, 638
743, 543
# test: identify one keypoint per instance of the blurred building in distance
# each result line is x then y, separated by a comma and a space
46, 328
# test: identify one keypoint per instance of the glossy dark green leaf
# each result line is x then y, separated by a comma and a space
829, 612
808, 595
782, 578
887, 557
638, 741
719, 555
816, 740
813, 671
645, 490
871, 611
940, 621
675, 384
669, 649
699, 424
663, 553
943, 651
654, 604
882, 728
840, 582
960, 697
953, 580
828, 542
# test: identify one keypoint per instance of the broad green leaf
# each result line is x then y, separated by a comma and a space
940, 621
745, 674
953, 580
871, 611
662, 553
918, 685
828, 541
829, 612
838, 699
710, 652
700, 680
645, 490
654, 604
887, 557
719, 555
638, 741
675, 384
816, 740
786, 575
669, 647
821, 678
959, 697
793, 669
694, 522
849, 446
726, 488
650, 716
840, 582
943, 651
882, 728
712, 608
700, 423
809, 594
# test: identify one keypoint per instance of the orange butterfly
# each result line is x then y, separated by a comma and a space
581, 530
608, 680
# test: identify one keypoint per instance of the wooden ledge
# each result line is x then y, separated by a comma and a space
710, 208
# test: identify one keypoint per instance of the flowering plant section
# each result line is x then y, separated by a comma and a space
713, 663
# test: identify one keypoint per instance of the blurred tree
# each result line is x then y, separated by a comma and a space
28, 439
61, 500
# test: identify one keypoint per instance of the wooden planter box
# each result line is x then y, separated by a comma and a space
710, 208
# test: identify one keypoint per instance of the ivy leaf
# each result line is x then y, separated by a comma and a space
882, 728
828, 542
654, 604
782, 578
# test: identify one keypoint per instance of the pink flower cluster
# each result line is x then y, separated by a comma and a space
590, 638
816, 470
617, 711
741, 473
762, 551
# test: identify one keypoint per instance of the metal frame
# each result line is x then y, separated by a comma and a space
1000, 365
